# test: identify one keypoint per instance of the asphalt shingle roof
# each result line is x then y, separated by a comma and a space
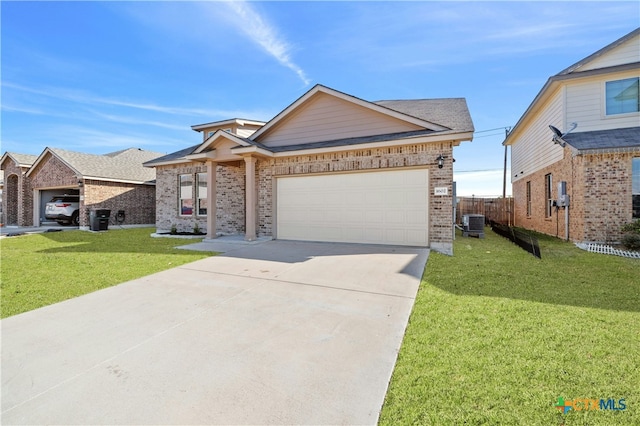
604, 139
178, 155
23, 159
123, 165
448, 112
451, 113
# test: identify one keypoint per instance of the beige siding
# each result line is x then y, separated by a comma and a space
586, 105
535, 149
626, 53
326, 117
245, 132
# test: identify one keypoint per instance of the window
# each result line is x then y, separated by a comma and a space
529, 198
186, 195
548, 184
622, 96
202, 194
635, 187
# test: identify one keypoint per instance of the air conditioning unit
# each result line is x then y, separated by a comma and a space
473, 224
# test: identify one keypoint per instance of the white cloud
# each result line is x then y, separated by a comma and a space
266, 36
82, 98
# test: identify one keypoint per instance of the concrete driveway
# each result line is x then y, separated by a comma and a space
278, 332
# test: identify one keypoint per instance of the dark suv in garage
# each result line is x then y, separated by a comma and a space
64, 209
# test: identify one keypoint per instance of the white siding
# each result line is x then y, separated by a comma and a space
626, 53
326, 117
535, 149
585, 104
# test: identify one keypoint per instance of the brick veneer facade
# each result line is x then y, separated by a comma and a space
230, 186
600, 189
229, 203
137, 200
17, 201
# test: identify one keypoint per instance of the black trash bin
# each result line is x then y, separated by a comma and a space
99, 220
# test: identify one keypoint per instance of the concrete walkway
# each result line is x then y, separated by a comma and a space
274, 332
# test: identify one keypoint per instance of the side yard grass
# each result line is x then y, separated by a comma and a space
41, 269
496, 336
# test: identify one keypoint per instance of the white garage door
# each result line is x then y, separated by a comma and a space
388, 207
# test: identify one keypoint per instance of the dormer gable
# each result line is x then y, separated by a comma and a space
237, 126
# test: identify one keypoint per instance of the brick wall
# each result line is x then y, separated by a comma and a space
17, 201
554, 224
600, 189
607, 195
137, 201
440, 214
230, 198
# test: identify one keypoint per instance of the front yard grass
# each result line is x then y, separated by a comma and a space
41, 269
496, 336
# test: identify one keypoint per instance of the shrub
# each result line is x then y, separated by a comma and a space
633, 227
631, 238
196, 229
174, 229
631, 241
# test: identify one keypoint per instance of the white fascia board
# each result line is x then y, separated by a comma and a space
219, 134
41, 158
203, 156
168, 163
104, 179
240, 121
252, 149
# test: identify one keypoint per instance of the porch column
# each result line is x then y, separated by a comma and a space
211, 199
250, 199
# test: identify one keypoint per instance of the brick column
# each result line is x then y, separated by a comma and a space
211, 199
250, 195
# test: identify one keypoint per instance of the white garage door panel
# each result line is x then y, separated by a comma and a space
386, 207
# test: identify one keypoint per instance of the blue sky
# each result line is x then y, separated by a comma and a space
102, 76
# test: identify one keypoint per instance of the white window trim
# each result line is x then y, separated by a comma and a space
604, 114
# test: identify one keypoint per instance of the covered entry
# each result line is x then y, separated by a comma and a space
380, 207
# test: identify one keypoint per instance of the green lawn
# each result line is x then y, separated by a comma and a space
496, 336
41, 269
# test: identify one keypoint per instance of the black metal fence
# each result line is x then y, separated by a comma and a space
522, 239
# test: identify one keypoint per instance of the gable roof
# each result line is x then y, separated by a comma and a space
239, 121
604, 140
576, 67
318, 88
21, 160
120, 166
436, 117
574, 72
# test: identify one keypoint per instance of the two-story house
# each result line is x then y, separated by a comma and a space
575, 153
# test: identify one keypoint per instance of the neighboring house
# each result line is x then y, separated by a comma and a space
329, 167
116, 181
598, 163
17, 200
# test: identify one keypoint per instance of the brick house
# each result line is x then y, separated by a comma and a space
329, 167
581, 136
17, 196
115, 181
